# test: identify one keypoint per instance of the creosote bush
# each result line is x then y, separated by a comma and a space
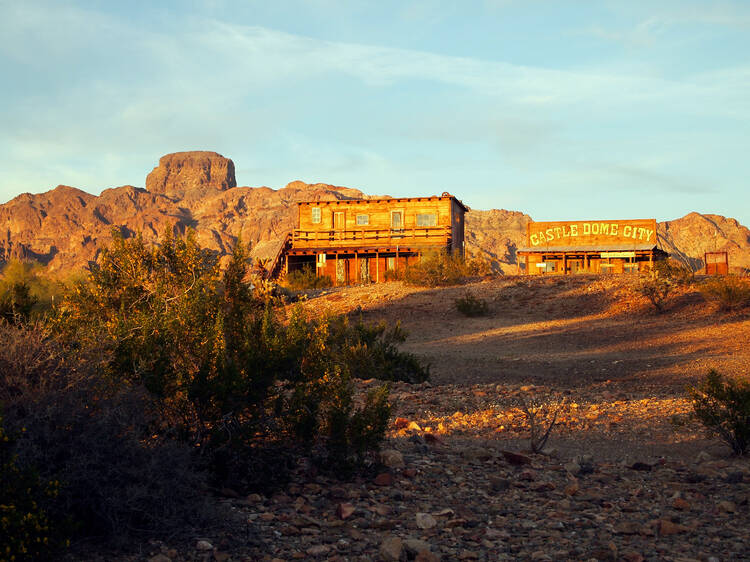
441, 269
722, 405
306, 279
657, 290
729, 292
472, 306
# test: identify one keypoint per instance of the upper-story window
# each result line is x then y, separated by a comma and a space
426, 219
363, 220
316, 215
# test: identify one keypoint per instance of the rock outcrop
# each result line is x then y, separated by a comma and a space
66, 228
191, 174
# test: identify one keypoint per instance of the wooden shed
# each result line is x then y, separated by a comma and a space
360, 240
565, 247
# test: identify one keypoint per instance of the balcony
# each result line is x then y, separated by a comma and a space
369, 237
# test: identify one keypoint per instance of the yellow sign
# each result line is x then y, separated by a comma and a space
592, 233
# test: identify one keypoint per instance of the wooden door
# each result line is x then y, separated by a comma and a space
339, 223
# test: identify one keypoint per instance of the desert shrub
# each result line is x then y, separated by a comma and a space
471, 306
40, 287
722, 405
115, 480
27, 532
225, 374
657, 290
541, 419
674, 271
729, 292
372, 351
306, 279
16, 303
439, 269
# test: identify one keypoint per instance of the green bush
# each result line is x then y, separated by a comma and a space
16, 303
27, 532
440, 269
306, 279
657, 290
226, 374
722, 405
729, 292
372, 351
471, 306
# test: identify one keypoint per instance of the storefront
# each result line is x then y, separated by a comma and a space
569, 247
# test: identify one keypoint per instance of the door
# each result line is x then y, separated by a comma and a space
339, 224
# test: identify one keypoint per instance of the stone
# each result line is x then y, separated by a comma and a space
391, 549
203, 545
391, 458
318, 550
667, 527
498, 484
516, 459
415, 546
344, 510
383, 479
160, 558
426, 556
425, 521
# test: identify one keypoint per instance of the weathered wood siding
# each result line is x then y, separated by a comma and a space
338, 223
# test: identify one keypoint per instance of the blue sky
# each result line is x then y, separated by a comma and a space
564, 110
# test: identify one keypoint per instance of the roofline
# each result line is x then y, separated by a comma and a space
381, 199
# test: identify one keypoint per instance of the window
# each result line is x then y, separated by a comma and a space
396, 219
363, 220
316, 215
321, 260
390, 264
426, 219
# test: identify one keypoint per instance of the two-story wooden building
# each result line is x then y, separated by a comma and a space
565, 247
361, 240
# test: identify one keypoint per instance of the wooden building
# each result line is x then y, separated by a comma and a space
566, 247
361, 240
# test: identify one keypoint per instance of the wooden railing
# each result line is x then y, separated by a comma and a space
371, 236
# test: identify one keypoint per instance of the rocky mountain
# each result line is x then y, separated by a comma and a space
66, 228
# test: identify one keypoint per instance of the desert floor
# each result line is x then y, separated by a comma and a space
625, 476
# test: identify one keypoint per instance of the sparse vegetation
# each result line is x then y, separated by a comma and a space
728, 292
657, 290
674, 271
541, 420
441, 269
470, 305
722, 405
306, 279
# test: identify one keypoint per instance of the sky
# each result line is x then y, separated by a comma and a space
565, 110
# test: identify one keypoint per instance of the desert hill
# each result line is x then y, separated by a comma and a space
66, 227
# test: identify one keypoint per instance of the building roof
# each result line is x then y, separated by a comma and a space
596, 248
383, 199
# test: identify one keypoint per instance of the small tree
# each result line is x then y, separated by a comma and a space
723, 406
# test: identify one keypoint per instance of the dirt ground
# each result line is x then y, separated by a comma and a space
624, 477
621, 367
